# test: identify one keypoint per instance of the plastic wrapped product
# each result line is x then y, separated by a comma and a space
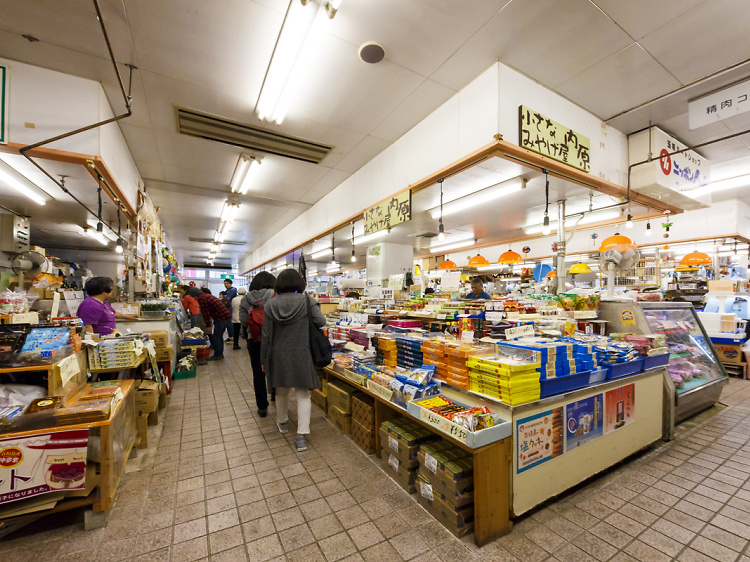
677, 380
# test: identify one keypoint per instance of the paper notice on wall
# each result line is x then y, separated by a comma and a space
396, 282
450, 281
73, 299
69, 368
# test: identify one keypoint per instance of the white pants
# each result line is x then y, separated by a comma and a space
304, 405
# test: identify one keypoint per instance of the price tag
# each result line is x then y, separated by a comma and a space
443, 424
68, 369
394, 462
513, 315
383, 392
430, 462
426, 490
25, 318
493, 316
351, 346
441, 316
584, 314
519, 332
393, 443
354, 377
467, 335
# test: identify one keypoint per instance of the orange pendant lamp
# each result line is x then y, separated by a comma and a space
696, 258
510, 257
617, 240
448, 265
478, 261
552, 273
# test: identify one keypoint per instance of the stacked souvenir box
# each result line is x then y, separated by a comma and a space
457, 371
433, 353
511, 378
557, 357
445, 484
339, 333
409, 352
399, 441
360, 337
405, 323
113, 354
387, 351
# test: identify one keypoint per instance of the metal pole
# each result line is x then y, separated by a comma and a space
561, 246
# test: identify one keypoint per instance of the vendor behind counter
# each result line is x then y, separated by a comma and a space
95, 312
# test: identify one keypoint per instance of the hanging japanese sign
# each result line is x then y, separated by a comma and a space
584, 421
4, 105
38, 464
677, 179
539, 438
387, 214
620, 404
719, 105
549, 138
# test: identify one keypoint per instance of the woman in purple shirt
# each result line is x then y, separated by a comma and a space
95, 311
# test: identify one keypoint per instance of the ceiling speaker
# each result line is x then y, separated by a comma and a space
372, 52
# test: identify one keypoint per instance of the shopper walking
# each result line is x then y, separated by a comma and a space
236, 316
227, 299
252, 313
215, 311
285, 350
191, 306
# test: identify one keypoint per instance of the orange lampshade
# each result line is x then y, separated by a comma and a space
478, 261
552, 273
696, 258
510, 257
447, 265
617, 240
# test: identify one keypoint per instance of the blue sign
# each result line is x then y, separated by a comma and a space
584, 421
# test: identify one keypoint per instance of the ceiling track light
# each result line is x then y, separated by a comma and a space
305, 26
545, 225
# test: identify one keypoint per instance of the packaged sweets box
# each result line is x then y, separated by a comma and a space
340, 395
319, 399
400, 472
341, 420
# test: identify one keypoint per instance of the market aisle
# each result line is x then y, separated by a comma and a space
226, 486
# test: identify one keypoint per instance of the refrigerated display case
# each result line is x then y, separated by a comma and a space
695, 375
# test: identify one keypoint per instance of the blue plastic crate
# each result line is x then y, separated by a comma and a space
623, 369
564, 383
597, 375
655, 361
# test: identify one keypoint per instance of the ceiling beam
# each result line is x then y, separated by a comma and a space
185, 189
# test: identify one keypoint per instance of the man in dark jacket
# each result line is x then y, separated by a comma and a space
213, 309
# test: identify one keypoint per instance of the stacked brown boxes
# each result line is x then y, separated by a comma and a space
363, 423
399, 441
340, 396
446, 485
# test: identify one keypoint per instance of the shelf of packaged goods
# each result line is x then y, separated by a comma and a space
491, 469
55, 384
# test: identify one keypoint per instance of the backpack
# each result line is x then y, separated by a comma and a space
255, 322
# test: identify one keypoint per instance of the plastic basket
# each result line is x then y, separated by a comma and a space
178, 375
655, 361
203, 353
623, 369
564, 383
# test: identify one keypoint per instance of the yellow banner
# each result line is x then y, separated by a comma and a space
395, 210
549, 138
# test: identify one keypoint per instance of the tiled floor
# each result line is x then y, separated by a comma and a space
223, 485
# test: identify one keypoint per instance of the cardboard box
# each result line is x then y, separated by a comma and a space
164, 353
363, 411
340, 419
159, 337
449, 469
364, 437
403, 438
340, 395
141, 428
460, 522
147, 397
729, 352
319, 399
404, 477
162, 396
49, 293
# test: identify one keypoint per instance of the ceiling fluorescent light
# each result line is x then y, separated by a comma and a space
321, 253
364, 239
479, 198
438, 249
92, 233
304, 28
228, 211
453, 237
108, 232
247, 168
587, 219
10, 176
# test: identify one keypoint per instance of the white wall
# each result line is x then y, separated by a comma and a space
57, 103
463, 124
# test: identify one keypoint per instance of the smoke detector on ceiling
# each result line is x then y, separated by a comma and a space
372, 52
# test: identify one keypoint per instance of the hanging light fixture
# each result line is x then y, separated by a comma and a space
735, 248
617, 240
696, 258
118, 248
447, 265
510, 257
545, 225
333, 248
478, 261
441, 230
629, 222
648, 228
354, 257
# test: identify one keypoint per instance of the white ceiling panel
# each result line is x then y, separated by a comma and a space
141, 142
626, 79
186, 176
719, 152
708, 38
329, 181
641, 17
152, 170
428, 96
582, 36
361, 154
225, 43
192, 153
341, 89
283, 178
444, 25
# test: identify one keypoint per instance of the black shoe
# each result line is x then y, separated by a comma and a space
216, 358
263, 413
236, 347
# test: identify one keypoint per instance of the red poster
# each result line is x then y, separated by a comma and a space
620, 408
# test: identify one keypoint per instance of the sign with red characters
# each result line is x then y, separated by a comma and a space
38, 464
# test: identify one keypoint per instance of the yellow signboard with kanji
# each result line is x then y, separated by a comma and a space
549, 138
389, 213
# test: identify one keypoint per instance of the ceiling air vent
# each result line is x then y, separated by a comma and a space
213, 128
209, 240
424, 234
